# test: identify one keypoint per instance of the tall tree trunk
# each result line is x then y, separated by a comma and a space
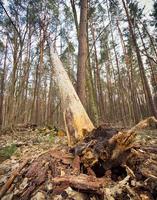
11, 101
153, 70
36, 95
98, 79
82, 53
131, 89
26, 115
2, 83
77, 122
40, 68
92, 104
111, 90
152, 42
120, 82
49, 117
75, 16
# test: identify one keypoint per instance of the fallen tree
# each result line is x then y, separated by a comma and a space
104, 164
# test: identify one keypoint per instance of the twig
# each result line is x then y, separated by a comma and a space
7, 185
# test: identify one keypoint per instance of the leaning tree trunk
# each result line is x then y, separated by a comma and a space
77, 122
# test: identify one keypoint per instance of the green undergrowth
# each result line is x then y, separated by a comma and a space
51, 138
7, 152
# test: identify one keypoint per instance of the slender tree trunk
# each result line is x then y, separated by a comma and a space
36, 95
153, 70
11, 100
2, 83
26, 115
49, 117
120, 84
131, 90
40, 68
115, 114
75, 16
150, 38
98, 80
92, 105
82, 53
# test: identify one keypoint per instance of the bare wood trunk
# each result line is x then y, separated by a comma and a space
76, 120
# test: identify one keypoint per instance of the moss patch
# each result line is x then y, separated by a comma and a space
51, 138
6, 152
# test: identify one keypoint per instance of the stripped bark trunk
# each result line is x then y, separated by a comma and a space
76, 120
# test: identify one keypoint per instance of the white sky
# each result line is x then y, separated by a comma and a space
147, 3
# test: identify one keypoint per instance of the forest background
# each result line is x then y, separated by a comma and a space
114, 71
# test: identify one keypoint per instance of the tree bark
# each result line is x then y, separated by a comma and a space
2, 84
82, 53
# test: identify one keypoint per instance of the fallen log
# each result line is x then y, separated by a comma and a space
82, 182
148, 122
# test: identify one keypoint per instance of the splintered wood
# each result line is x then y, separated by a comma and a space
107, 164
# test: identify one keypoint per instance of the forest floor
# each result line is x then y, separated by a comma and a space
18, 146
